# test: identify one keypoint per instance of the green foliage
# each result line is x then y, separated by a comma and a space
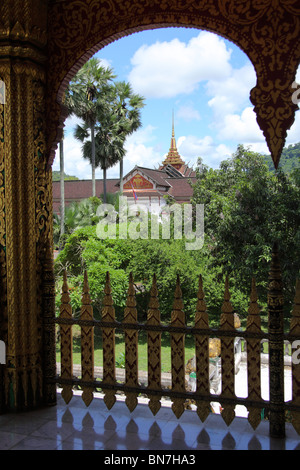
77, 215
56, 176
144, 258
289, 160
247, 209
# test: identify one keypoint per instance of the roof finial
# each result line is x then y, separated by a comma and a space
173, 132
173, 158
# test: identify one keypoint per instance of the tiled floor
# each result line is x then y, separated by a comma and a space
75, 427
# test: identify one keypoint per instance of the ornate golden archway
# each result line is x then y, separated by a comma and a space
267, 31
42, 45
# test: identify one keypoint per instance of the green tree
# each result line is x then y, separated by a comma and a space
86, 97
248, 208
108, 144
127, 107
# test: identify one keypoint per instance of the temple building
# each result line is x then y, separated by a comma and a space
142, 186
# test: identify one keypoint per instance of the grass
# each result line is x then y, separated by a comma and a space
120, 349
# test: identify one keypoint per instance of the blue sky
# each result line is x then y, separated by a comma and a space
204, 78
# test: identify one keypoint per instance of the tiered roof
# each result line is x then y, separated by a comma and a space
172, 178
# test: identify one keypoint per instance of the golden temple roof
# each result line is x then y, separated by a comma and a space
173, 158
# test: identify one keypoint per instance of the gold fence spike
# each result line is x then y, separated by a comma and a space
131, 346
201, 317
86, 299
108, 344
130, 310
275, 300
227, 355
87, 343
177, 351
253, 357
65, 297
154, 348
253, 319
202, 354
66, 340
227, 317
108, 311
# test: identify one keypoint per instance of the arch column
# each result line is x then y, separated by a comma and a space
25, 198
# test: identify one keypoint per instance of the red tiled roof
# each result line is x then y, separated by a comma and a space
82, 189
181, 188
178, 188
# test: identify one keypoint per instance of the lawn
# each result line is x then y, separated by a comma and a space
120, 349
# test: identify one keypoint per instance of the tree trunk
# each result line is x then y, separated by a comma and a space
93, 159
104, 185
121, 176
62, 188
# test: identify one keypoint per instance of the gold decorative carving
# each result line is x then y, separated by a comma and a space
268, 32
154, 348
66, 341
108, 342
87, 344
227, 355
253, 357
202, 354
131, 346
177, 351
276, 347
22, 70
24, 20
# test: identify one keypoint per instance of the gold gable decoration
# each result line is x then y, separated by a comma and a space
138, 182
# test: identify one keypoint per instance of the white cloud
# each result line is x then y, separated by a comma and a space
232, 92
74, 163
188, 113
138, 150
105, 63
241, 127
294, 132
191, 148
70, 124
166, 69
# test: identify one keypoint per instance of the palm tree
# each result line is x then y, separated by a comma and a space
127, 107
109, 145
87, 99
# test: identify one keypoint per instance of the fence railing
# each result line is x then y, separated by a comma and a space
275, 407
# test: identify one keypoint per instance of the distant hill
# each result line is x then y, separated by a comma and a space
290, 159
56, 176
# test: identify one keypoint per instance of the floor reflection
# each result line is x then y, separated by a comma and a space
75, 427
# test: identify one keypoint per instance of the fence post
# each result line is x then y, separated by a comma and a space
49, 355
276, 350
